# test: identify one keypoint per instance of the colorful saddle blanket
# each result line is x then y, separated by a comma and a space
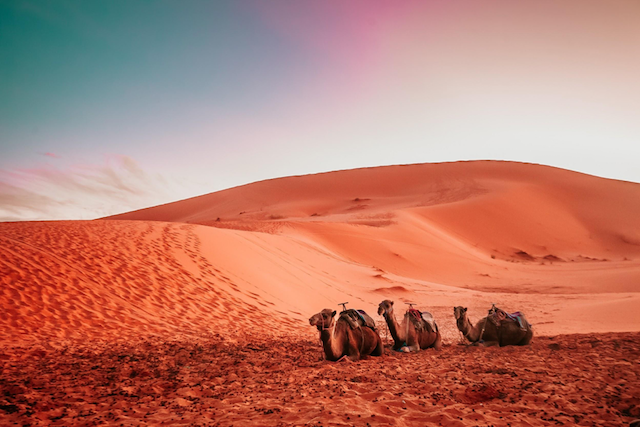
422, 317
498, 316
358, 318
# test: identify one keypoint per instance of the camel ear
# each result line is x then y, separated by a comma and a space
333, 314
464, 310
391, 302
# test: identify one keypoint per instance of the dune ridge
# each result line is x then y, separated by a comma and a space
510, 210
504, 194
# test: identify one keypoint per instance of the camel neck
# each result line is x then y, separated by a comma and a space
468, 330
328, 343
394, 329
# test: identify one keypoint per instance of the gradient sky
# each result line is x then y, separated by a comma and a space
109, 106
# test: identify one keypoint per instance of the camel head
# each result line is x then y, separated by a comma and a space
323, 320
460, 312
385, 308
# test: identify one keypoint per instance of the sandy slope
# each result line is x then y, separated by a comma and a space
516, 234
251, 264
499, 207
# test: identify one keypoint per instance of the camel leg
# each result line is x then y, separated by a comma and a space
354, 355
527, 338
353, 347
414, 347
438, 344
412, 343
491, 344
379, 350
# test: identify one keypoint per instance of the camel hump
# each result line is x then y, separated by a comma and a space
358, 318
420, 318
428, 318
500, 315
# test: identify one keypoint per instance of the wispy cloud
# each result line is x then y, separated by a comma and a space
79, 192
49, 154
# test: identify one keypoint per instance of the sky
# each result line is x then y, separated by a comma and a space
110, 106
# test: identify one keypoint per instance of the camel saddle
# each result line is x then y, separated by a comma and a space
422, 318
358, 318
497, 316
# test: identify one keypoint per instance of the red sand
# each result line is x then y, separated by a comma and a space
94, 305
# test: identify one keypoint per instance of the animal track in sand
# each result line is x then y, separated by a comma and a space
120, 275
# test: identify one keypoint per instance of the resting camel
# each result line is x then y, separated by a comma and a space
412, 334
506, 332
345, 338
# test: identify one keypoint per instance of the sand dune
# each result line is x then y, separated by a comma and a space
505, 229
247, 267
432, 214
497, 206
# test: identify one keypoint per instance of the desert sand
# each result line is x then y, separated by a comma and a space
196, 312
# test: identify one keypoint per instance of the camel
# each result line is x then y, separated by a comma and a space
412, 334
490, 332
345, 338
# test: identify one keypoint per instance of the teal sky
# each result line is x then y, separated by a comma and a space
101, 65
109, 106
